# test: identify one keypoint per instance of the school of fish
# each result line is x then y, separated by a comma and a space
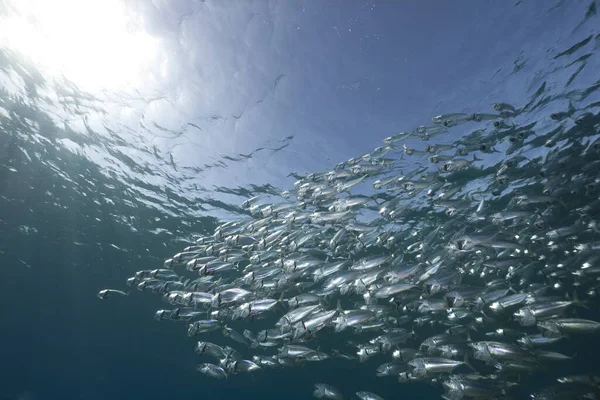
466, 264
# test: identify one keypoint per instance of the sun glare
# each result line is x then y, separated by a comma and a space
93, 43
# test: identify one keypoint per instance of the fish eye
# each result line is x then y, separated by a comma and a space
510, 164
555, 116
496, 124
482, 147
512, 139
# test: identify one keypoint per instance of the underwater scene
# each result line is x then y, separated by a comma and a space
300, 199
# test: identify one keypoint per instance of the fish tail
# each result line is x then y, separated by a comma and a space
576, 301
563, 204
324, 300
281, 297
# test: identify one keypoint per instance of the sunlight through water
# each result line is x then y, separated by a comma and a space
95, 44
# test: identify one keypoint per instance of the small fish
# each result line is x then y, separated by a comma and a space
104, 293
570, 326
368, 396
203, 326
325, 391
504, 107
233, 335
214, 371
434, 365
439, 119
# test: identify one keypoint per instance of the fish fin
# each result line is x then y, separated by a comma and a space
468, 364
339, 307
577, 302
458, 234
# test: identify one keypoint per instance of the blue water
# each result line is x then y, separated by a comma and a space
91, 192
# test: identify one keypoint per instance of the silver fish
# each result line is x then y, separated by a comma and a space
325, 391
104, 293
368, 396
214, 371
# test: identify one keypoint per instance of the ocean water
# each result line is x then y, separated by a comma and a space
110, 164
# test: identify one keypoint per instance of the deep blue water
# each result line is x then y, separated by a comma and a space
90, 194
